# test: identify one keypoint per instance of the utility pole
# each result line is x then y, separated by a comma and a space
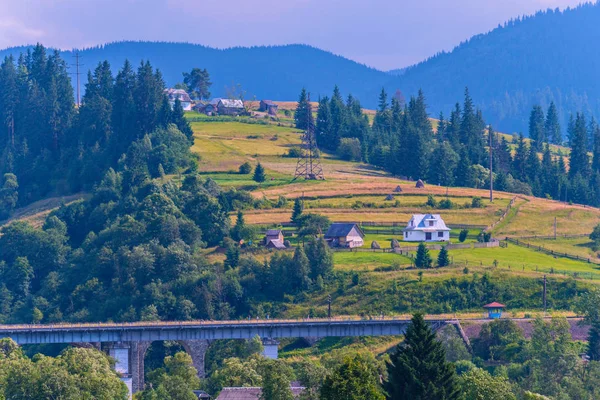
544, 295
77, 74
491, 174
329, 306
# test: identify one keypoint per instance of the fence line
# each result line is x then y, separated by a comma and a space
504, 214
553, 253
551, 237
404, 250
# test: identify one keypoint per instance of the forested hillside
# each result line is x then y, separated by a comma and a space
277, 72
551, 56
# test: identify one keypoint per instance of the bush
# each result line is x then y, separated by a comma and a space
294, 152
446, 204
476, 202
350, 149
462, 236
245, 168
431, 202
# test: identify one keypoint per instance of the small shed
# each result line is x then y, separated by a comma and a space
494, 310
274, 239
268, 106
420, 184
398, 189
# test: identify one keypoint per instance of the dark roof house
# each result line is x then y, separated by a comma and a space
345, 235
274, 239
268, 106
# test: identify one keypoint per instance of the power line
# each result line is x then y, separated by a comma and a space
77, 74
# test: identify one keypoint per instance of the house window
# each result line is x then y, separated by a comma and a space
440, 234
428, 236
430, 223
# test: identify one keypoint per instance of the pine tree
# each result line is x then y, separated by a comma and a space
298, 209
443, 259
423, 259
383, 103
238, 231
537, 127
594, 342
178, 118
520, 160
453, 128
471, 130
303, 116
259, 174
418, 369
579, 159
442, 171
464, 172
323, 125
552, 125
596, 150
300, 272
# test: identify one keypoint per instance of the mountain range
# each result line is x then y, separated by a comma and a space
550, 56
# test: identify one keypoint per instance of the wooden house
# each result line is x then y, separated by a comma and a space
268, 106
345, 235
274, 239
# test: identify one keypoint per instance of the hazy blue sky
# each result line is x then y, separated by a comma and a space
382, 33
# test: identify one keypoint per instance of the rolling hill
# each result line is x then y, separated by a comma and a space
550, 56
277, 72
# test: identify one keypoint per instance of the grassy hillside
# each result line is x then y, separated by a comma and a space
356, 192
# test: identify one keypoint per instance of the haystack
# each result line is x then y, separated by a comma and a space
395, 244
389, 197
398, 189
375, 245
420, 184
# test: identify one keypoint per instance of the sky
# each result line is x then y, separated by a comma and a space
385, 34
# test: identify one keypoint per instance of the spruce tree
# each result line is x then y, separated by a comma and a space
520, 160
303, 115
552, 125
442, 171
178, 118
423, 259
594, 342
323, 125
443, 259
383, 103
298, 209
579, 159
259, 173
418, 369
537, 127
596, 150
300, 272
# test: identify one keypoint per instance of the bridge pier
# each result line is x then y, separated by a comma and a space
138, 352
270, 348
120, 351
197, 350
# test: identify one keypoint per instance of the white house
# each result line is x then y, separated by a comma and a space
345, 235
184, 98
426, 228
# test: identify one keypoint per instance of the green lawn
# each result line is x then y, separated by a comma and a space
367, 261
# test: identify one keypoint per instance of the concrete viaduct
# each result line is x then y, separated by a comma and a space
128, 342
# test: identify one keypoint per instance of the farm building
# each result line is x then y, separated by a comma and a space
230, 107
174, 94
426, 228
274, 239
268, 106
345, 235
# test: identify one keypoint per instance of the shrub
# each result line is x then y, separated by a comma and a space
462, 236
245, 168
476, 202
431, 202
446, 204
294, 152
350, 149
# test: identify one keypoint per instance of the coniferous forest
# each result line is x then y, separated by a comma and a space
403, 141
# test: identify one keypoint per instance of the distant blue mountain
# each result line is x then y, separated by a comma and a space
274, 72
550, 56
